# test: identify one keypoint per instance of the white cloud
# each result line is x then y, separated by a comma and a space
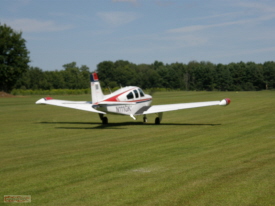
33, 25
117, 18
202, 27
253, 14
238, 22
257, 6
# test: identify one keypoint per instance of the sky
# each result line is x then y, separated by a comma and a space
58, 32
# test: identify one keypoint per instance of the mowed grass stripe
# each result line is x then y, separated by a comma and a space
204, 156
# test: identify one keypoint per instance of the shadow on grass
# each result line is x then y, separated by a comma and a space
98, 125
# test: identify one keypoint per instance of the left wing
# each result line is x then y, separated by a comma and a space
80, 105
173, 107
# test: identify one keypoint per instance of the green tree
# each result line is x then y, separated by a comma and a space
269, 74
106, 72
14, 57
238, 72
223, 78
125, 73
85, 77
72, 76
180, 75
141, 76
191, 75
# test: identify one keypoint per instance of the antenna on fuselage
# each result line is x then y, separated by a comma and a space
110, 90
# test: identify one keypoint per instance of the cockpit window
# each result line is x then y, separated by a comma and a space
130, 95
136, 93
141, 92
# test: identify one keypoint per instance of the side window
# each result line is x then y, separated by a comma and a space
136, 93
141, 92
130, 95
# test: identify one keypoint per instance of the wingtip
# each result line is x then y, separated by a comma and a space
40, 101
225, 102
43, 100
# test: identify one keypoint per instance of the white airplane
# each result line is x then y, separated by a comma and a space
129, 101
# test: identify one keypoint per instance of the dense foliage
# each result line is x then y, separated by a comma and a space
192, 76
14, 57
72, 77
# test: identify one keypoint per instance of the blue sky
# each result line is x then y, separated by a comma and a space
142, 31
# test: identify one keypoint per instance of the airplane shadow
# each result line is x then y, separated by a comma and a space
98, 125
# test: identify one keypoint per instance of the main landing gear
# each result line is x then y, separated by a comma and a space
103, 119
157, 120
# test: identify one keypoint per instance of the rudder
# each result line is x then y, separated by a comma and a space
97, 94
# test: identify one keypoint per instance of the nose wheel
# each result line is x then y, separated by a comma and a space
145, 119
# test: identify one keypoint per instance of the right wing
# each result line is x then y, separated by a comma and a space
172, 107
80, 105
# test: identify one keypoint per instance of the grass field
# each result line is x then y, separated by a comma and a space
204, 156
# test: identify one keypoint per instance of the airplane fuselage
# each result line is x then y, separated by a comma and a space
126, 101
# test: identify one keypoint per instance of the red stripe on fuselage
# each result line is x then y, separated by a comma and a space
114, 98
141, 100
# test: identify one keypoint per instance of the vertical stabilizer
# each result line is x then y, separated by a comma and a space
97, 94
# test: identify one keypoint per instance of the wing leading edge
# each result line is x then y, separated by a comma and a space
173, 107
80, 105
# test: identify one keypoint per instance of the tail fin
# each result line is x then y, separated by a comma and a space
97, 94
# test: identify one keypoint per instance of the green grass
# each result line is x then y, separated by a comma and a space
204, 156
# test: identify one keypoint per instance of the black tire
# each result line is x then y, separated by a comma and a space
157, 120
105, 120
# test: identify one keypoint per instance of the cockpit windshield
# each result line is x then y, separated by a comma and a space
141, 92
136, 94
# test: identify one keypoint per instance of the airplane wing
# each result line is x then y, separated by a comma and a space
80, 105
172, 107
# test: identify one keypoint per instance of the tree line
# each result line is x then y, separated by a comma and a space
71, 77
192, 76
16, 74
200, 76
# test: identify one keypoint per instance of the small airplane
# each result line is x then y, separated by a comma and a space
130, 100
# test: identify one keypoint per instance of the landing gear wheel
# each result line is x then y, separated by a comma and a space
104, 120
157, 120
144, 119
